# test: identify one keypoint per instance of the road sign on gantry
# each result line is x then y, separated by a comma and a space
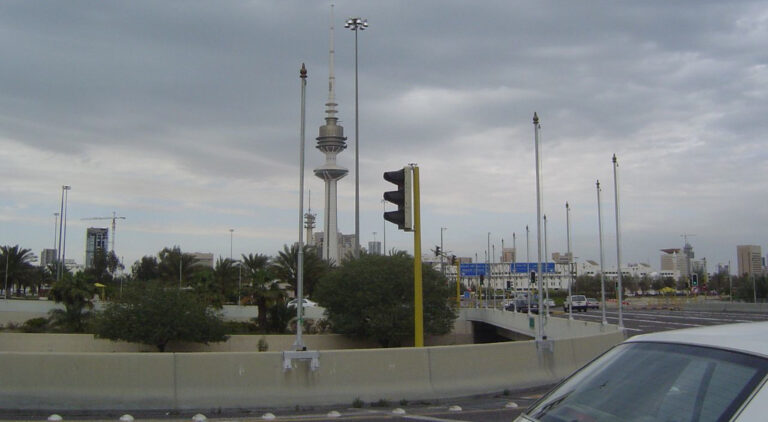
402, 197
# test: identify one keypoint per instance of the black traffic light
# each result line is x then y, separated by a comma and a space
403, 217
482, 279
437, 250
694, 280
453, 259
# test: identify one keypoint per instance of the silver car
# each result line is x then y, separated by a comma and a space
715, 373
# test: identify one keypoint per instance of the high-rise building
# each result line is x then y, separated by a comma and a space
47, 257
331, 141
374, 248
95, 238
750, 259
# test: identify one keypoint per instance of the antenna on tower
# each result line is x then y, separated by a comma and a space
331, 104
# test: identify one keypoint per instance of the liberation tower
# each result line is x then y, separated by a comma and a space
331, 141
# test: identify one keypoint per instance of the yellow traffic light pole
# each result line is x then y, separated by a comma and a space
418, 307
458, 285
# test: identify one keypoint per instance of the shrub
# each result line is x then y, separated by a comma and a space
35, 325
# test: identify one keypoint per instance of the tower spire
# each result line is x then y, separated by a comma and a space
331, 104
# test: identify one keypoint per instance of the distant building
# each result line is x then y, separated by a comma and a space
96, 238
673, 263
750, 259
509, 255
346, 244
374, 248
724, 268
204, 259
47, 257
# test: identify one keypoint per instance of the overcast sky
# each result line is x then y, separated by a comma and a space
183, 117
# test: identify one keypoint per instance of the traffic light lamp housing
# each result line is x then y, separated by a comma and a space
402, 197
694, 280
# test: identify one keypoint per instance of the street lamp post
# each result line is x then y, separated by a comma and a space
63, 228
540, 330
442, 251
231, 236
618, 238
570, 259
602, 272
356, 25
545, 280
384, 210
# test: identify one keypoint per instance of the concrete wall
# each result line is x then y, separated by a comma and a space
94, 381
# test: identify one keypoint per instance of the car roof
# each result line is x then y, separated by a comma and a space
747, 337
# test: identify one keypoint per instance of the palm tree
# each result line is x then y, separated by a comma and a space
284, 266
262, 288
225, 273
76, 293
176, 266
17, 268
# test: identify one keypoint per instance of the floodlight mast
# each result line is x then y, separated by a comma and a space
356, 25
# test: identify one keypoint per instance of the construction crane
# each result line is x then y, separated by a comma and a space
114, 219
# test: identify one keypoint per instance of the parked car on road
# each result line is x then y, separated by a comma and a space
306, 303
715, 373
578, 302
592, 303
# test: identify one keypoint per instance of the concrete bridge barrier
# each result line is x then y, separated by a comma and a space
131, 381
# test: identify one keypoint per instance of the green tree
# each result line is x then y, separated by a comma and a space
206, 287
105, 265
225, 273
146, 269
17, 263
284, 267
156, 315
175, 266
76, 294
262, 290
372, 297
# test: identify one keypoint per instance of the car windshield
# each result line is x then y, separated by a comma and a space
579, 298
654, 381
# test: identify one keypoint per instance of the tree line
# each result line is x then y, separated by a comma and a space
370, 296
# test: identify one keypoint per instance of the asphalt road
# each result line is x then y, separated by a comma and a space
642, 321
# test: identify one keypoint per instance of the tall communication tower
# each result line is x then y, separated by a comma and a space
331, 141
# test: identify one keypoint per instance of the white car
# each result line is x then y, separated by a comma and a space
716, 373
306, 303
579, 303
